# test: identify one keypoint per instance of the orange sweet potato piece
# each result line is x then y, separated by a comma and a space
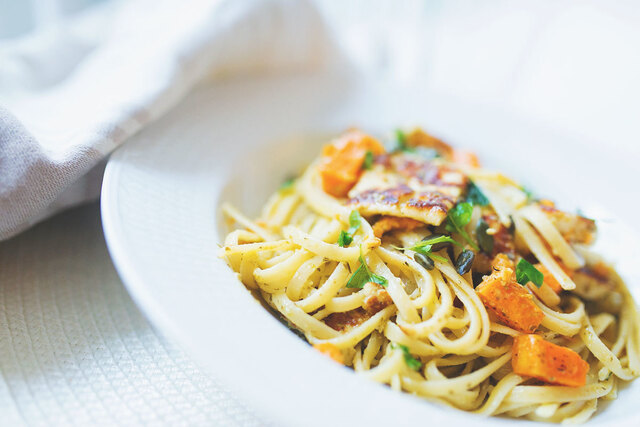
330, 350
342, 160
549, 279
507, 299
465, 158
534, 357
503, 262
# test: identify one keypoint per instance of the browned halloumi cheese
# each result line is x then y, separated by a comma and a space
594, 282
573, 227
389, 223
406, 185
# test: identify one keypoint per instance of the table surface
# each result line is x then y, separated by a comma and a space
75, 350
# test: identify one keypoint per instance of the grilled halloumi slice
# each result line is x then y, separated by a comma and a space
407, 185
573, 227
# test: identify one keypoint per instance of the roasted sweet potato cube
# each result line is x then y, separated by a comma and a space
465, 158
330, 350
342, 161
549, 279
534, 357
508, 300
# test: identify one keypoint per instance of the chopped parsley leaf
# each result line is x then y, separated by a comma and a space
458, 218
368, 160
287, 185
411, 361
425, 247
400, 143
354, 221
346, 237
475, 196
363, 275
526, 272
528, 193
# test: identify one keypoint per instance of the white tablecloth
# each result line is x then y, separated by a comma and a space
75, 350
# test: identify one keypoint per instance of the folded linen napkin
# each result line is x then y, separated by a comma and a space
71, 94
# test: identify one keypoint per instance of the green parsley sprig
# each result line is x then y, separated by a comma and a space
346, 237
368, 160
411, 361
527, 192
425, 247
475, 196
401, 141
287, 185
526, 272
363, 275
458, 218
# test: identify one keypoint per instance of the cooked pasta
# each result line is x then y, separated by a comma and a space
423, 271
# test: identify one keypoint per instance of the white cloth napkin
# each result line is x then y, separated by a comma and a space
71, 94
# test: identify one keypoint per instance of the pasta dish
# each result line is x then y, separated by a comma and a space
418, 268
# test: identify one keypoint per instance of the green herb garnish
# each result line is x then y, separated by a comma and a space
458, 218
411, 361
430, 254
363, 275
400, 143
528, 193
425, 247
346, 237
287, 185
368, 160
485, 241
475, 196
354, 221
526, 272
401, 139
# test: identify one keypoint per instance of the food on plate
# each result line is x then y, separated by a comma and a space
421, 270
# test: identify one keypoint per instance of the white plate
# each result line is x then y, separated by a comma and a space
237, 142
